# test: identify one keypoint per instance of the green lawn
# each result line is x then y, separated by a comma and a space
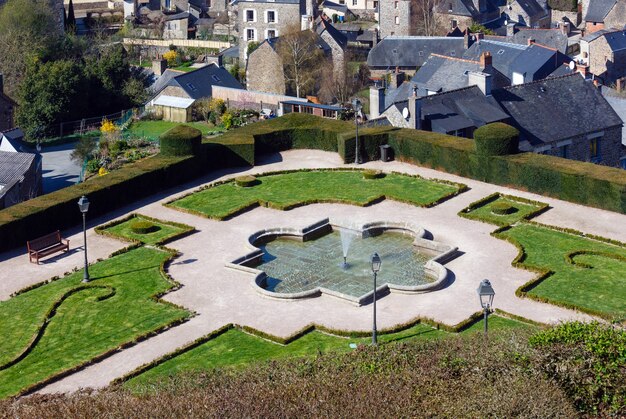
601, 288
166, 231
288, 190
116, 307
152, 129
483, 212
236, 349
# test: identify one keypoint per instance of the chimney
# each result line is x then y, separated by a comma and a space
482, 80
377, 101
582, 69
415, 110
620, 84
467, 39
1, 83
479, 36
486, 60
375, 38
510, 30
530, 41
159, 66
565, 28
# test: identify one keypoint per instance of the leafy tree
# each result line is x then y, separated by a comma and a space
27, 28
50, 93
84, 149
302, 58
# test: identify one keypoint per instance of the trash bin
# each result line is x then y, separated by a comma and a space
385, 152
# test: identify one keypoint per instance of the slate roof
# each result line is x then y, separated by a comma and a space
440, 73
13, 166
177, 16
616, 40
461, 108
562, 70
555, 109
402, 93
595, 35
464, 8
598, 9
15, 137
335, 6
198, 83
532, 8
509, 57
412, 51
325, 26
552, 38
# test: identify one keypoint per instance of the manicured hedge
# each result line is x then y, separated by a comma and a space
143, 227
370, 140
182, 140
496, 139
246, 181
59, 210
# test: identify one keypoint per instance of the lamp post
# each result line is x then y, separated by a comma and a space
486, 294
356, 105
376, 262
83, 205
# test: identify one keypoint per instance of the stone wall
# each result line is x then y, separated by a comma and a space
519, 15
610, 144
574, 18
174, 91
285, 15
264, 71
389, 11
249, 99
337, 54
603, 62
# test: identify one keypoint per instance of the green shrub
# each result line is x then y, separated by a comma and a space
370, 140
182, 140
372, 174
497, 139
144, 227
246, 181
564, 5
588, 360
503, 208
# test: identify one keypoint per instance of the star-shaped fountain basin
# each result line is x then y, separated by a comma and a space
292, 264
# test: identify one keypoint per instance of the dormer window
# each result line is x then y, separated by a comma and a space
215, 78
191, 86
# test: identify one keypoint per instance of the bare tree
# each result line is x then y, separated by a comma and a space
339, 84
302, 58
424, 19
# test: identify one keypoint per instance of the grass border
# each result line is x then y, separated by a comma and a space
542, 207
459, 327
175, 285
461, 187
102, 229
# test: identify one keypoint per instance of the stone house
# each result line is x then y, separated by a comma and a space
603, 14
604, 52
528, 13
456, 112
264, 70
362, 8
395, 18
20, 169
176, 26
175, 92
462, 13
259, 20
7, 108
565, 117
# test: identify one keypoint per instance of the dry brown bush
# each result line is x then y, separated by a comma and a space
456, 377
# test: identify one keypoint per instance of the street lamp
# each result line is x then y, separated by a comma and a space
83, 205
376, 262
486, 293
356, 105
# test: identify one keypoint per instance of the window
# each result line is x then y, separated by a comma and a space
270, 33
270, 16
250, 35
395, 4
397, 20
328, 113
307, 109
354, 2
375, 5
564, 151
454, 23
215, 78
250, 15
450, 7
594, 148
191, 86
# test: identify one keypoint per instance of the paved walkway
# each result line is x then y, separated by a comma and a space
222, 296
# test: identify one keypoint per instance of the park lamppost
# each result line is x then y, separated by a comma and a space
486, 294
376, 262
83, 205
356, 105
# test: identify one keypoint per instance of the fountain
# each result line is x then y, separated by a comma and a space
317, 260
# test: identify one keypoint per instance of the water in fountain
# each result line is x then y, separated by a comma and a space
347, 236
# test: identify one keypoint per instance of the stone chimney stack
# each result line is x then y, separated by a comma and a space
397, 77
467, 39
377, 101
582, 69
510, 29
158, 66
482, 80
415, 110
530, 41
486, 60
620, 84
565, 27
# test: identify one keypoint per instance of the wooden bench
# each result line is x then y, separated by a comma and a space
46, 245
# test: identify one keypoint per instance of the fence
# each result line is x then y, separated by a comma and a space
81, 126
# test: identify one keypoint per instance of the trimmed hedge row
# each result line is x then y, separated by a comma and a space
497, 139
181, 140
